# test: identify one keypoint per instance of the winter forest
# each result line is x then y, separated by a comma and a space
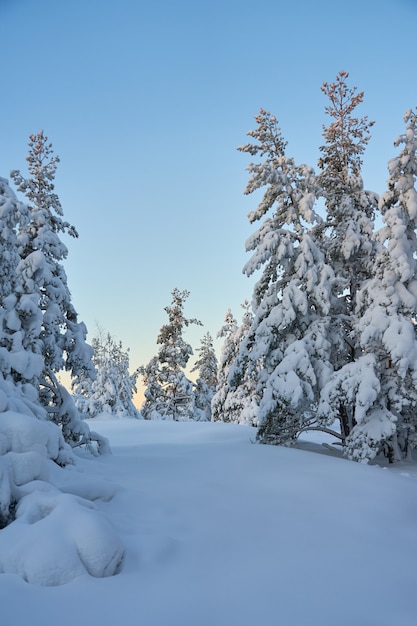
329, 340
326, 343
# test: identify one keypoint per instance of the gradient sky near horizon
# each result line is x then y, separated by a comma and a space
146, 102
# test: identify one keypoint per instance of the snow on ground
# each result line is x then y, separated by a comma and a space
222, 532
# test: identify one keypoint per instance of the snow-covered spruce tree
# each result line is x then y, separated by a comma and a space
113, 388
18, 365
228, 354
33, 451
17, 399
172, 393
349, 246
15, 359
12, 214
153, 406
286, 352
383, 388
350, 209
235, 404
205, 385
47, 316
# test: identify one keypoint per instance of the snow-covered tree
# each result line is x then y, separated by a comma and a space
383, 394
15, 359
230, 403
30, 445
205, 385
153, 406
228, 354
47, 321
350, 248
33, 450
304, 341
42, 253
350, 209
113, 388
285, 353
12, 214
172, 394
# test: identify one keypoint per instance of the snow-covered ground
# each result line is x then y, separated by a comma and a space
221, 532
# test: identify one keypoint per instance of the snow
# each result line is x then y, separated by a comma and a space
63, 537
216, 531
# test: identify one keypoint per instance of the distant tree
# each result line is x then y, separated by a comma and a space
154, 405
113, 388
205, 385
172, 394
235, 403
228, 353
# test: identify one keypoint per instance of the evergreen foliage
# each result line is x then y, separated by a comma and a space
235, 402
38, 334
205, 385
47, 336
61, 338
332, 343
387, 305
347, 241
169, 393
113, 388
285, 352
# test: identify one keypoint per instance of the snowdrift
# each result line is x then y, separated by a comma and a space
53, 536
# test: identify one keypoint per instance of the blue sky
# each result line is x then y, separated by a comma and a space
146, 102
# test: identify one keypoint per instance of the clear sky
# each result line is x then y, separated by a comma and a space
146, 102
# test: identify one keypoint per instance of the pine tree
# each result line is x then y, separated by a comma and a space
350, 209
228, 354
32, 448
385, 414
349, 247
12, 215
172, 394
285, 353
49, 326
233, 403
153, 406
16, 361
113, 388
205, 385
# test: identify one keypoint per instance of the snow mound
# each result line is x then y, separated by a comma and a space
51, 531
22, 433
57, 537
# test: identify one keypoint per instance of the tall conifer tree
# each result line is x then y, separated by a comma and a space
49, 324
